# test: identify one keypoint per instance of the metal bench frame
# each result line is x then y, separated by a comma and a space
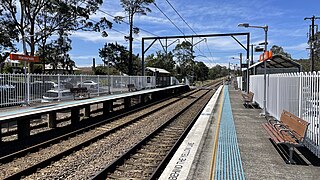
131, 87
290, 130
80, 92
248, 99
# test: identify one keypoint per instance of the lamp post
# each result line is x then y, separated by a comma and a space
247, 87
265, 28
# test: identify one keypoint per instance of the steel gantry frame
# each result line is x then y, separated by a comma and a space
165, 48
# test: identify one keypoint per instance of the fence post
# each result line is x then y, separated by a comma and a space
59, 93
278, 94
81, 80
111, 85
98, 85
28, 88
300, 94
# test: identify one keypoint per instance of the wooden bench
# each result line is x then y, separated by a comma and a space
131, 87
248, 99
80, 92
290, 130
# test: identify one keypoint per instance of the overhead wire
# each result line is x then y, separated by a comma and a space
113, 29
106, 13
189, 28
168, 18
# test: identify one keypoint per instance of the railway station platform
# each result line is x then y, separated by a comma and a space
131, 100
239, 149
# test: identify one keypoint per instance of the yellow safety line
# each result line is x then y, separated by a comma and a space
215, 145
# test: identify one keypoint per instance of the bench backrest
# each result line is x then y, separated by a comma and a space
250, 95
130, 85
79, 90
296, 125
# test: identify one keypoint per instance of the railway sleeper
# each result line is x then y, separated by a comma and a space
151, 153
146, 158
159, 145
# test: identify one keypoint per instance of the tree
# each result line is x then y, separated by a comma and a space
279, 50
161, 60
218, 71
201, 71
184, 56
117, 55
57, 53
133, 7
317, 47
8, 35
38, 19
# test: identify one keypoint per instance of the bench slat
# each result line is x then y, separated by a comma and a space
273, 135
297, 126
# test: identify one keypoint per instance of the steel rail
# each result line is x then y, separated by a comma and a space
48, 161
113, 165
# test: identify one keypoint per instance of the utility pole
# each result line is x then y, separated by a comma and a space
241, 64
311, 41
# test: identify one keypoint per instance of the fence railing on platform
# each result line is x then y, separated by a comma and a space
15, 89
298, 93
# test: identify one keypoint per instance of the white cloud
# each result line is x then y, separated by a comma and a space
298, 47
88, 36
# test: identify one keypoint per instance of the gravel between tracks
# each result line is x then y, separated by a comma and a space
90, 160
33, 158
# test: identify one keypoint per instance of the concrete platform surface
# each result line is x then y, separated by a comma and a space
261, 159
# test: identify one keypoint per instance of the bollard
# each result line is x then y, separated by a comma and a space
87, 111
75, 115
23, 128
52, 120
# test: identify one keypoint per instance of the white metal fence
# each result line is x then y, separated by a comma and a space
298, 93
239, 82
15, 89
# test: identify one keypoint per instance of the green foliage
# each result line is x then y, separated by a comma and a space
201, 71
8, 36
217, 72
118, 55
133, 7
103, 70
161, 60
37, 69
7, 69
306, 65
56, 52
279, 50
39, 19
184, 56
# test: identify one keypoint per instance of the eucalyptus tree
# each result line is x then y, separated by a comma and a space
37, 20
8, 37
279, 50
184, 56
133, 7
161, 60
117, 55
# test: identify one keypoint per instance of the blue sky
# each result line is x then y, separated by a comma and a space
285, 18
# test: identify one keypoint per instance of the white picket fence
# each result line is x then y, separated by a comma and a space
15, 89
298, 93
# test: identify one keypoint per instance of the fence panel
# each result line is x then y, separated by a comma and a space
15, 89
298, 93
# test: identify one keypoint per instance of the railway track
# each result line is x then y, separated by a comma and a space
41, 155
93, 146
147, 158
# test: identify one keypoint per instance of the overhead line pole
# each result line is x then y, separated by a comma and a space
311, 43
190, 36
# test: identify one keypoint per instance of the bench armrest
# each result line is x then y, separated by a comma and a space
277, 124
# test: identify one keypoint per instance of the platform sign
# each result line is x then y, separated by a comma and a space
265, 56
21, 57
244, 65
